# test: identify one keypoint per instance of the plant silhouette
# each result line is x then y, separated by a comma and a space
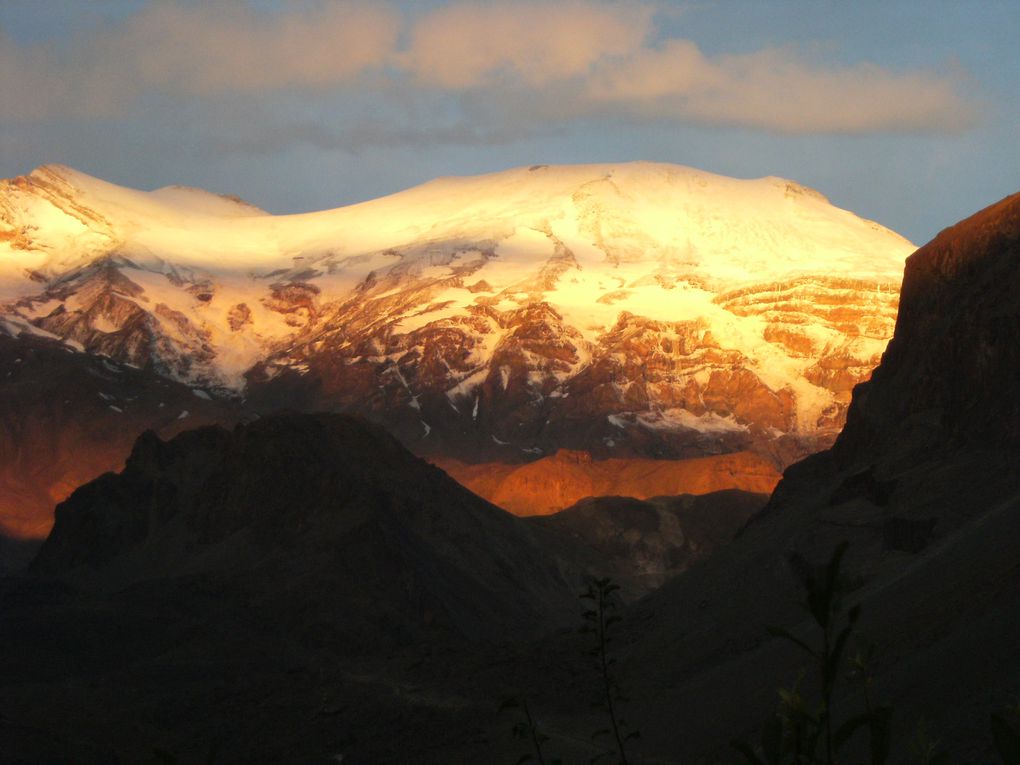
599, 619
805, 733
526, 729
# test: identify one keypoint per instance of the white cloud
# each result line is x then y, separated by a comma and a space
467, 45
777, 90
543, 64
209, 48
175, 49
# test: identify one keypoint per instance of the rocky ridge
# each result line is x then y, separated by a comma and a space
949, 376
627, 310
550, 484
321, 515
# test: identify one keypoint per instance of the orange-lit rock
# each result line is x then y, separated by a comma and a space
553, 483
68, 417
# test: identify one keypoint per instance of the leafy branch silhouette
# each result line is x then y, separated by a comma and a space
599, 619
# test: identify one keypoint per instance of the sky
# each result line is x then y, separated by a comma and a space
904, 112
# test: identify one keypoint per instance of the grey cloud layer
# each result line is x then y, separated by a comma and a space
504, 62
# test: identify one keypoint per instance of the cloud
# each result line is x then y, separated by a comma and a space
210, 48
201, 50
776, 90
466, 46
493, 70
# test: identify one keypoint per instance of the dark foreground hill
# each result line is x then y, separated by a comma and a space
310, 512
298, 587
258, 595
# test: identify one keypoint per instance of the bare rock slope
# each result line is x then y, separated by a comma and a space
633, 309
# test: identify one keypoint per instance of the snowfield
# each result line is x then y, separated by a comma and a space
206, 286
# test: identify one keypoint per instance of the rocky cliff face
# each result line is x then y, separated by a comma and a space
626, 310
950, 374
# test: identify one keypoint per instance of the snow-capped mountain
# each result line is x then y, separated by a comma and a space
632, 308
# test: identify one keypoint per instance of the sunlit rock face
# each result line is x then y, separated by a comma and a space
625, 310
550, 484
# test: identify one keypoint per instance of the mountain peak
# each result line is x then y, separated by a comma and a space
661, 309
53, 170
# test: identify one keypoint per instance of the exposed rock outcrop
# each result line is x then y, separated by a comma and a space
550, 484
629, 310
950, 375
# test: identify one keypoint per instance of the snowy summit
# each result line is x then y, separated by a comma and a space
667, 298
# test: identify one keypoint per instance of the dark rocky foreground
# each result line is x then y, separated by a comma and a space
301, 587
307, 509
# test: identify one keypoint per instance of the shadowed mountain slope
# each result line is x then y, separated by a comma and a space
950, 375
923, 484
322, 510
334, 594
650, 541
295, 553
66, 417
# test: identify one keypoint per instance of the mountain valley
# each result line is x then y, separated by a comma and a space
259, 586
